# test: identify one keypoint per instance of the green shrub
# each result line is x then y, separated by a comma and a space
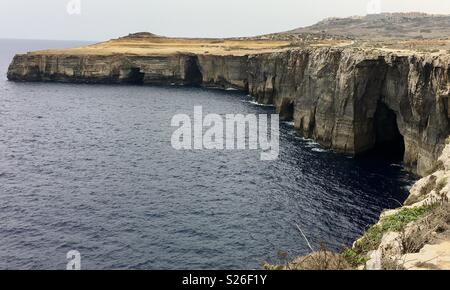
374, 234
353, 258
398, 221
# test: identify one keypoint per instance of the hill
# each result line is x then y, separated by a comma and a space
383, 26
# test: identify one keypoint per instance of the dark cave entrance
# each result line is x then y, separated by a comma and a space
194, 76
135, 76
286, 110
389, 142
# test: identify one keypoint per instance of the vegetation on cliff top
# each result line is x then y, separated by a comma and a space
371, 240
352, 258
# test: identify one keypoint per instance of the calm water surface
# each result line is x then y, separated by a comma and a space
91, 168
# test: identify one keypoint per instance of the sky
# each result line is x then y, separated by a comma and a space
96, 20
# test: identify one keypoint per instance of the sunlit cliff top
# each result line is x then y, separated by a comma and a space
401, 33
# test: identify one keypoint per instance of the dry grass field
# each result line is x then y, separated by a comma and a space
167, 46
160, 46
400, 33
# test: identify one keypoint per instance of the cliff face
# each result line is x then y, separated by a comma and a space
353, 101
173, 69
348, 99
176, 69
224, 71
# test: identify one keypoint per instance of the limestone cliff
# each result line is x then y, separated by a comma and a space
172, 69
352, 100
349, 99
177, 69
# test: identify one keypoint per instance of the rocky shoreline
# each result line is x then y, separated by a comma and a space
349, 99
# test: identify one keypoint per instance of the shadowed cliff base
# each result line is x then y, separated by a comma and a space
286, 110
135, 76
193, 71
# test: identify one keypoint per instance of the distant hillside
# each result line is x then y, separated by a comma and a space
385, 25
142, 35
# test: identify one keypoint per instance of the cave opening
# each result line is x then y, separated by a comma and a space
135, 76
389, 142
286, 110
194, 76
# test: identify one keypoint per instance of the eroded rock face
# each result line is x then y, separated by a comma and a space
348, 99
337, 95
158, 70
435, 187
224, 71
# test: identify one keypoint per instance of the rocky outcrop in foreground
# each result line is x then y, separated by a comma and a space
415, 236
349, 99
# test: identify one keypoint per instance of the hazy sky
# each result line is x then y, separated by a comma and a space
105, 19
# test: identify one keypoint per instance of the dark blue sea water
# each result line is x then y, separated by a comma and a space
91, 168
